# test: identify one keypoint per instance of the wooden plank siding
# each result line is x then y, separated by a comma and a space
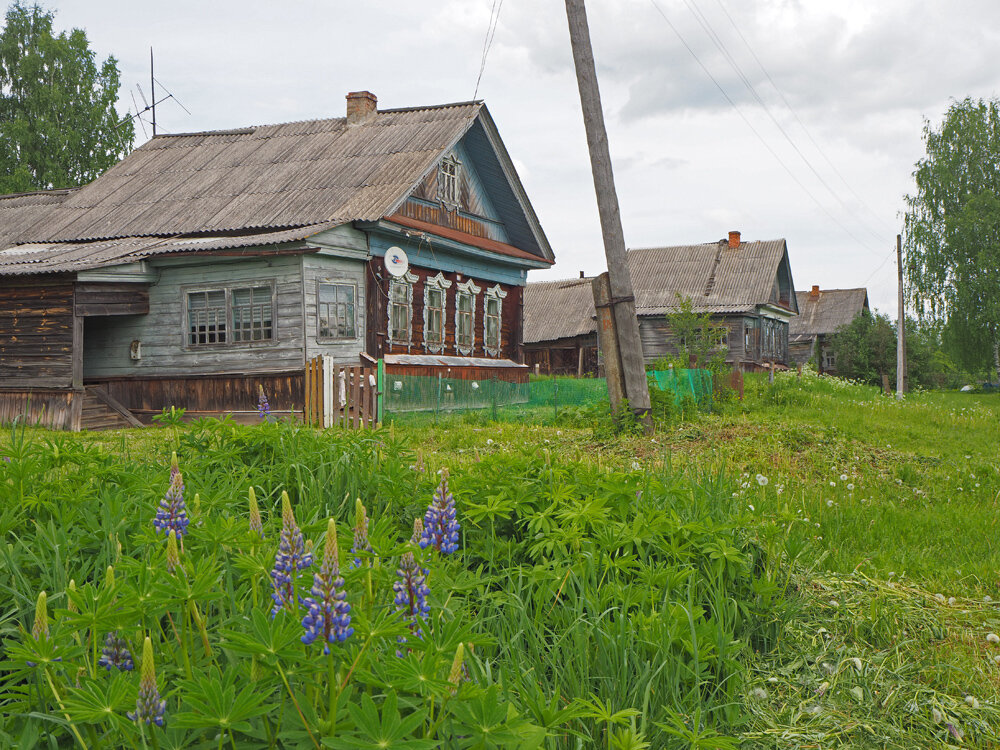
208, 394
111, 299
318, 269
36, 332
162, 332
378, 297
55, 409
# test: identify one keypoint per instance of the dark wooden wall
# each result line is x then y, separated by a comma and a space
207, 394
57, 409
378, 292
562, 356
37, 332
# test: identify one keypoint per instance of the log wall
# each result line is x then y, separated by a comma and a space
36, 332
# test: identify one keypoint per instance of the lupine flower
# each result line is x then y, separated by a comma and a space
457, 668
411, 593
263, 407
40, 628
440, 526
255, 523
291, 558
115, 653
172, 513
173, 556
71, 589
329, 615
149, 707
109, 576
361, 543
418, 531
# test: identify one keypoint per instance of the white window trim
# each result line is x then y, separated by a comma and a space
466, 287
450, 201
407, 280
441, 283
500, 295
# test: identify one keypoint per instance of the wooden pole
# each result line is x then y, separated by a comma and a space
608, 341
622, 301
901, 325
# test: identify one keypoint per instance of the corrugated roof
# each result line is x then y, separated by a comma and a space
266, 179
558, 310
827, 311
717, 278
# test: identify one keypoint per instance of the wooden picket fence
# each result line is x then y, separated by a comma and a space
339, 395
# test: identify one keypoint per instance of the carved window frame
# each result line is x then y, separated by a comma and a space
449, 182
405, 282
470, 289
498, 294
435, 283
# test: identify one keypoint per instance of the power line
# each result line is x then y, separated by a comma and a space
491, 30
766, 145
794, 114
720, 45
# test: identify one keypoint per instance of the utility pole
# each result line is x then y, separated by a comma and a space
900, 325
617, 294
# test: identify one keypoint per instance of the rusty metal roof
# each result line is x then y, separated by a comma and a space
827, 311
258, 179
558, 310
717, 278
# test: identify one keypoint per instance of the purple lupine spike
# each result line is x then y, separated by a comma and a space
149, 707
361, 543
172, 513
440, 526
115, 653
263, 407
328, 615
291, 558
411, 595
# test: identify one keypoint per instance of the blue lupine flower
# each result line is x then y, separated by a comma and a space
328, 616
115, 653
291, 558
361, 543
149, 707
411, 594
172, 513
440, 526
263, 407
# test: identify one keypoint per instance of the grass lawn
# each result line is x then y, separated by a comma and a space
814, 566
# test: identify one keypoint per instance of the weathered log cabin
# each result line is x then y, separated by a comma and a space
821, 313
204, 265
745, 286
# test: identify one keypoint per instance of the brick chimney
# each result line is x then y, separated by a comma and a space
361, 107
582, 276
734, 239
815, 291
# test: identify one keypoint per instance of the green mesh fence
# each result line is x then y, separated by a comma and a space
417, 398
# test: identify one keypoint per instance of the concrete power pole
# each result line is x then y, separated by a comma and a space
616, 295
901, 324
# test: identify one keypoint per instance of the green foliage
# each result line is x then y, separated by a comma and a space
58, 123
697, 335
866, 349
953, 230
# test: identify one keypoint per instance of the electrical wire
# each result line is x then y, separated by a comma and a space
491, 30
746, 120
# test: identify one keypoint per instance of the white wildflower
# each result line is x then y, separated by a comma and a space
850, 487
940, 598
751, 507
773, 680
760, 693
833, 484
829, 503
951, 601
762, 480
834, 603
813, 709
992, 638
987, 598
636, 466
827, 667
997, 659
843, 477
971, 702
489, 441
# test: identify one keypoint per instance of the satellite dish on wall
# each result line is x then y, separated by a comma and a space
396, 262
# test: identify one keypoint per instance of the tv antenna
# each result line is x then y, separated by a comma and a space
150, 105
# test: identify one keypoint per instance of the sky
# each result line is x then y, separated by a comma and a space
799, 119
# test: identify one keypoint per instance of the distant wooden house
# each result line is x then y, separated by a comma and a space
745, 286
821, 313
207, 264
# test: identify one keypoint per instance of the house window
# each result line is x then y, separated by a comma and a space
207, 317
230, 315
748, 337
401, 309
448, 181
435, 289
252, 313
491, 322
829, 359
336, 309
465, 314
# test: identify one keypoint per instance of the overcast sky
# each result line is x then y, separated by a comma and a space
814, 138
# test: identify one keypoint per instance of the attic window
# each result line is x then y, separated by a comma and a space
448, 181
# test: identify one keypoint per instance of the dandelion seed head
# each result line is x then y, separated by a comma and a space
992, 638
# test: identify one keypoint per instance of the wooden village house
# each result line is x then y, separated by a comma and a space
206, 265
821, 313
745, 286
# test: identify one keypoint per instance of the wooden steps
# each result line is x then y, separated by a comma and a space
102, 412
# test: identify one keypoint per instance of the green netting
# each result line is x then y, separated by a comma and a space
698, 383
427, 393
